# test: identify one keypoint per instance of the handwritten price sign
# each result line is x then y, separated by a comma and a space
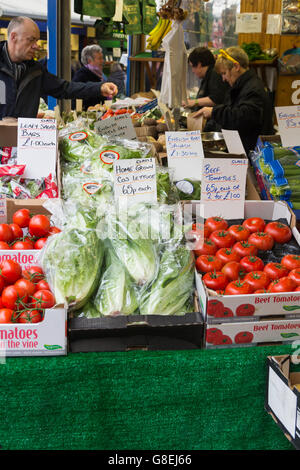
223, 187
185, 154
288, 119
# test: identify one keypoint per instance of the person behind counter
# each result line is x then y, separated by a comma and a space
248, 108
24, 80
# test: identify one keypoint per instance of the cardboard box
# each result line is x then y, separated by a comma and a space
145, 332
282, 399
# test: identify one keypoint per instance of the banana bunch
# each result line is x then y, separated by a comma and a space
158, 33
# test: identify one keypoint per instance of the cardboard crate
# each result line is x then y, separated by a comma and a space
282, 399
130, 332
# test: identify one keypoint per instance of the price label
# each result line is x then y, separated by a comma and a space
288, 119
185, 154
117, 126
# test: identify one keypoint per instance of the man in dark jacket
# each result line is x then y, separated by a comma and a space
24, 80
248, 109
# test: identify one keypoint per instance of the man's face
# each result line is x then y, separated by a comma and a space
198, 70
23, 41
97, 60
229, 75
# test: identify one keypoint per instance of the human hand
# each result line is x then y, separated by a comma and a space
190, 103
205, 112
108, 89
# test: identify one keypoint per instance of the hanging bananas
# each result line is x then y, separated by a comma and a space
157, 34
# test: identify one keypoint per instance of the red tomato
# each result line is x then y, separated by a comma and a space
25, 287
245, 310
238, 287
43, 298
261, 291
243, 337
252, 263
281, 233
297, 289
227, 254
16, 230
275, 270
254, 224
214, 307
23, 245
38, 245
6, 315
10, 298
215, 280
222, 238
284, 284
206, 263
262, 240
21, 217
257, 280
291, 262
194, 239
208, 247
39, 225
53, 230
245, 249
30, 316
239, 232
4, 246
43, 284
234, 271
213, 335
295, 275
216, 223
34, 274
6, 234
10, 270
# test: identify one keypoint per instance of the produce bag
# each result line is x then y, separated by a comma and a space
132, 17
149, 15
99, 8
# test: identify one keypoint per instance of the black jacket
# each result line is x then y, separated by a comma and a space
249, 110
213, 86
85, 75
23, 100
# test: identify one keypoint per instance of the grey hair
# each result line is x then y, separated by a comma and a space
16, 22
88, 53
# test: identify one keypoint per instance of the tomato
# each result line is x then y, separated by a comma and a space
222, 238
295, 275
43, 298
243, 337
252, 263
6, 315
261, 291
194, 239
208, 247
262, 240
238, 287
16, 231
39, 225
284, 284
10, 270
23, 245
4, 246
226, 255
10, 297
206, 263
38, 245
43, 284
257, 280
21, 217
34, 274
239, 232
297, 289
245, 249
281, 233
214, 307
53, 230
6, 234
30, 316
234, 271
227, 312
215, 280
216, 223
254, 224
275, 270
291, 262
26, 287
245, 310
213, 335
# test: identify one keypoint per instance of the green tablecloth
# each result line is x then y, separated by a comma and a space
142, 400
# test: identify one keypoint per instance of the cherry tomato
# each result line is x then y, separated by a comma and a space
252, 263
281, 233
216, 223
254, 224
245, 249
208, 247
23, 245
16, 230
6, 315
239, 232
291, 261
215, 280
4, 246
43, 284
34, 274
245, 310
295, 275
43, 298
38, 245
10, 298
262, 240
222, 238
275, 270
21, 217
227, 254
25, 287
39, 225
284, 284
30, 316
53, 230
234, 270
6, 234
257, 280
206, 263
10, 270
238, 287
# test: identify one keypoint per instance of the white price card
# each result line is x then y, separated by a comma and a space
223, 187
233, 142
37, 146
185, 154
116, 126
248, 23
288, 119
135, 181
